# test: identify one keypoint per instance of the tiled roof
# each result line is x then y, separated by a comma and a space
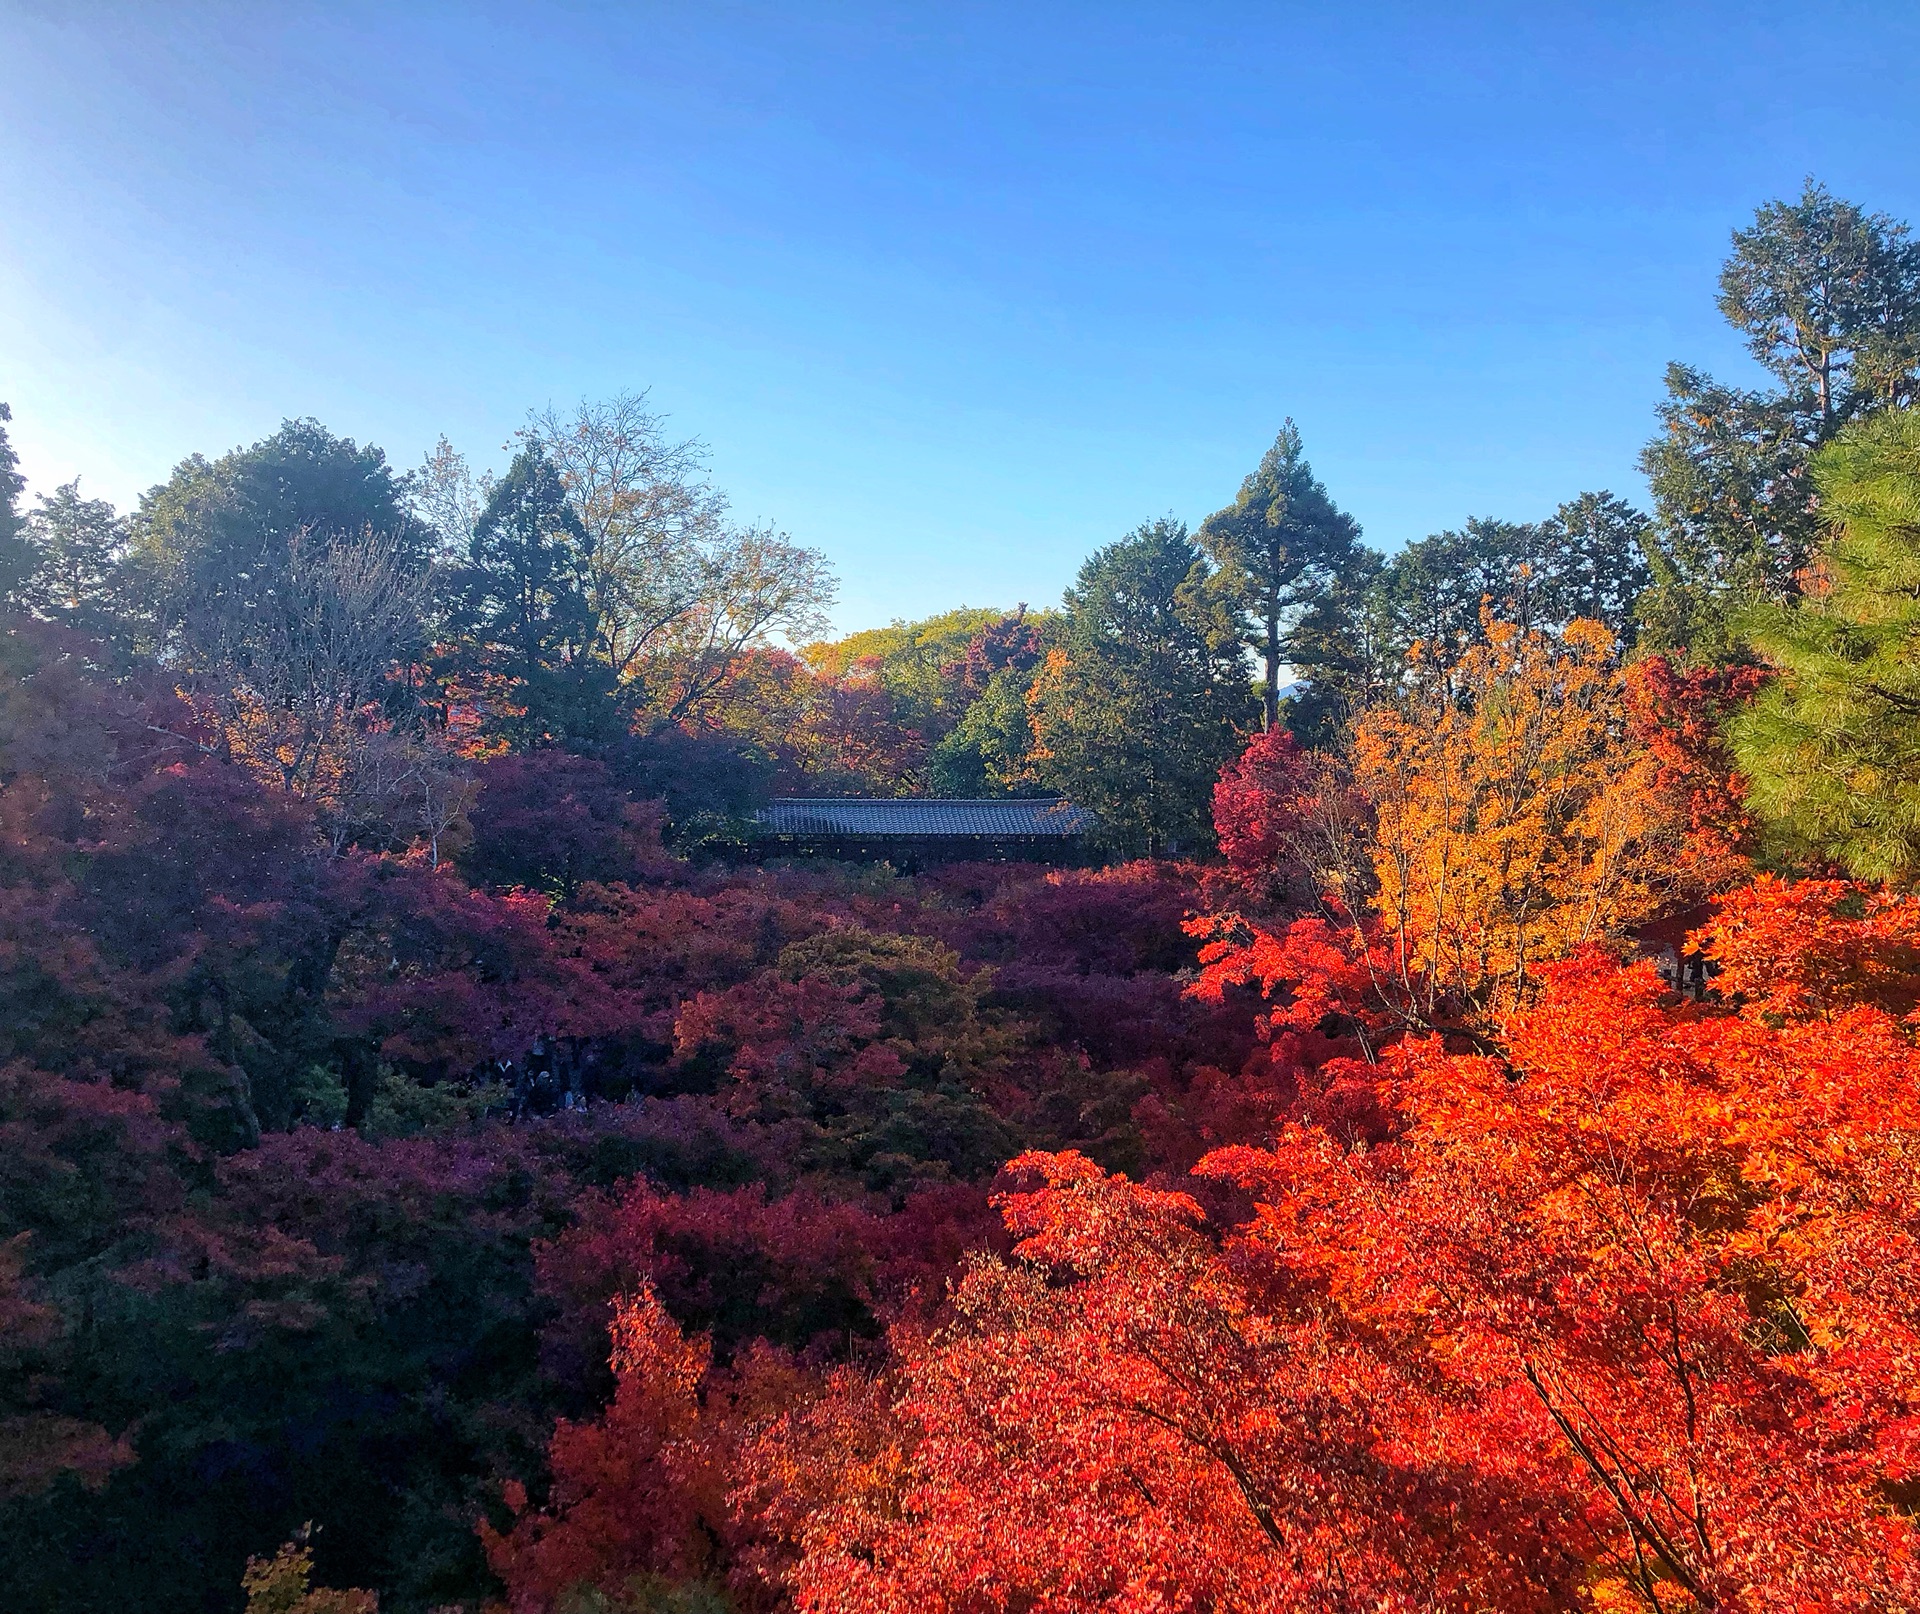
866, 816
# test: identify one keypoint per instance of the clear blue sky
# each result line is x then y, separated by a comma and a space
956, 293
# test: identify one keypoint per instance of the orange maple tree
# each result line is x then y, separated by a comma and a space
1546, 1289
638, 1493
1501, 815
1514, 819
1624, 1319
1622, 1314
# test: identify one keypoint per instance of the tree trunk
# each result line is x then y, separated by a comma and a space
1273, 670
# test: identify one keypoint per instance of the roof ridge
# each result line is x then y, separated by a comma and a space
1048, 817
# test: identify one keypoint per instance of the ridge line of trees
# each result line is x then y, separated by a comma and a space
366, 635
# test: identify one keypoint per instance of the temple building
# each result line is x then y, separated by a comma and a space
911, 832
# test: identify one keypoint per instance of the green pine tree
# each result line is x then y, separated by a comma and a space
79, 542
1832, 746
1282, 548
18, 558
1828, 298
523, 614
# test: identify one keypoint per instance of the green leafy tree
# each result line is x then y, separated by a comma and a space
986, 751
911, 661
1831, 747
1586, 560
524, 621
1596, 562
17, 558
212, 537
1434, 588
1352, 646
1280, 548
1828, 298
1148, 695
251, 573
78, 544
986, 754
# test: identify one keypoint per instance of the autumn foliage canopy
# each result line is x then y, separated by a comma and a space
1579, 1294
1619, 1318
448, 1164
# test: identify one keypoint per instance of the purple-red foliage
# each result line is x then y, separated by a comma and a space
805, 1271
1256, 803
445, 978
1013, 641
1115, 921
553, 821
183, 950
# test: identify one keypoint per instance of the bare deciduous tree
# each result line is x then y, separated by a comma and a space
759, 583
650, 514
295, 669
678, 591
448, 500
400, 787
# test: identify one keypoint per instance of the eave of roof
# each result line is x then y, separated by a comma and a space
921, 816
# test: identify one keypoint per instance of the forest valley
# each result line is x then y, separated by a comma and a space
1459, 1152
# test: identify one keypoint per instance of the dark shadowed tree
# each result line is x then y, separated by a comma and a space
1596, 555
525, 622
1352, 646
17, 558
1147, 697
213, 532
1345, 653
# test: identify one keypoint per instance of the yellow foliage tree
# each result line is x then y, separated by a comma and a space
282, 1584
1514, 819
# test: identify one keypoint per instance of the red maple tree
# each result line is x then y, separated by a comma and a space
1624, 1317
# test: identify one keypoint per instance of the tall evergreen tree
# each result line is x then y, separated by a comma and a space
1597, 563
1281, 547
1828, 297
77, 543
1345, 653
524, 621
1149, 695
1831, 748
17, 557
1435, 587
1354, 644
1586, 560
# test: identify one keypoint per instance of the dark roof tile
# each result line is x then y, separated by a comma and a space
868, 816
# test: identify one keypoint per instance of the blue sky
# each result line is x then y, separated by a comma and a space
956, 293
